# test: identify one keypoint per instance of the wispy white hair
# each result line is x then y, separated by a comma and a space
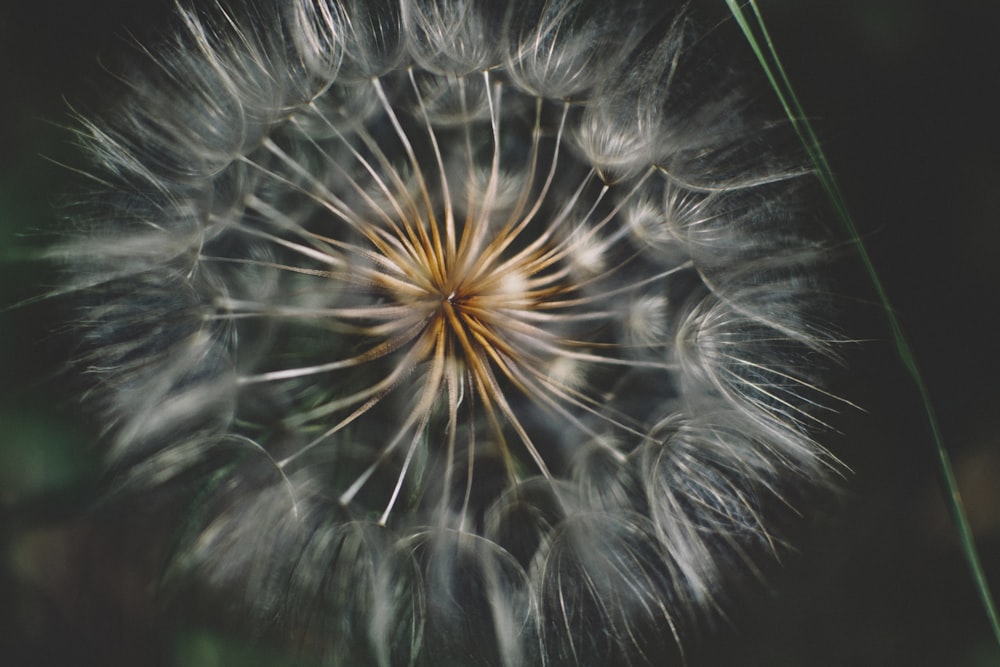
485, 331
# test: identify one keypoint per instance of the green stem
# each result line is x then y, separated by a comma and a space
775, 72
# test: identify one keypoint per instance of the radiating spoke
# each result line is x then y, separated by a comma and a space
474, 319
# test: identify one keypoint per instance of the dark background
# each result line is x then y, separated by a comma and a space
903, 94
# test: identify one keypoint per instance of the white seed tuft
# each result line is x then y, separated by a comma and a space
485, 330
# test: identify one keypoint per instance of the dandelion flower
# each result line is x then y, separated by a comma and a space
483, 330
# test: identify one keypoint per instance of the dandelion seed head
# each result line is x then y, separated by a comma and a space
461, 317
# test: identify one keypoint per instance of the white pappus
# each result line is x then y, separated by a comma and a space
484, 330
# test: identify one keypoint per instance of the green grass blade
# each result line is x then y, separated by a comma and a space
763, 48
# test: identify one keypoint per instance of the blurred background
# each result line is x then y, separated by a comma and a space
902, 95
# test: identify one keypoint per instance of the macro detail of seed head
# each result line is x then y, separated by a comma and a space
485, 331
